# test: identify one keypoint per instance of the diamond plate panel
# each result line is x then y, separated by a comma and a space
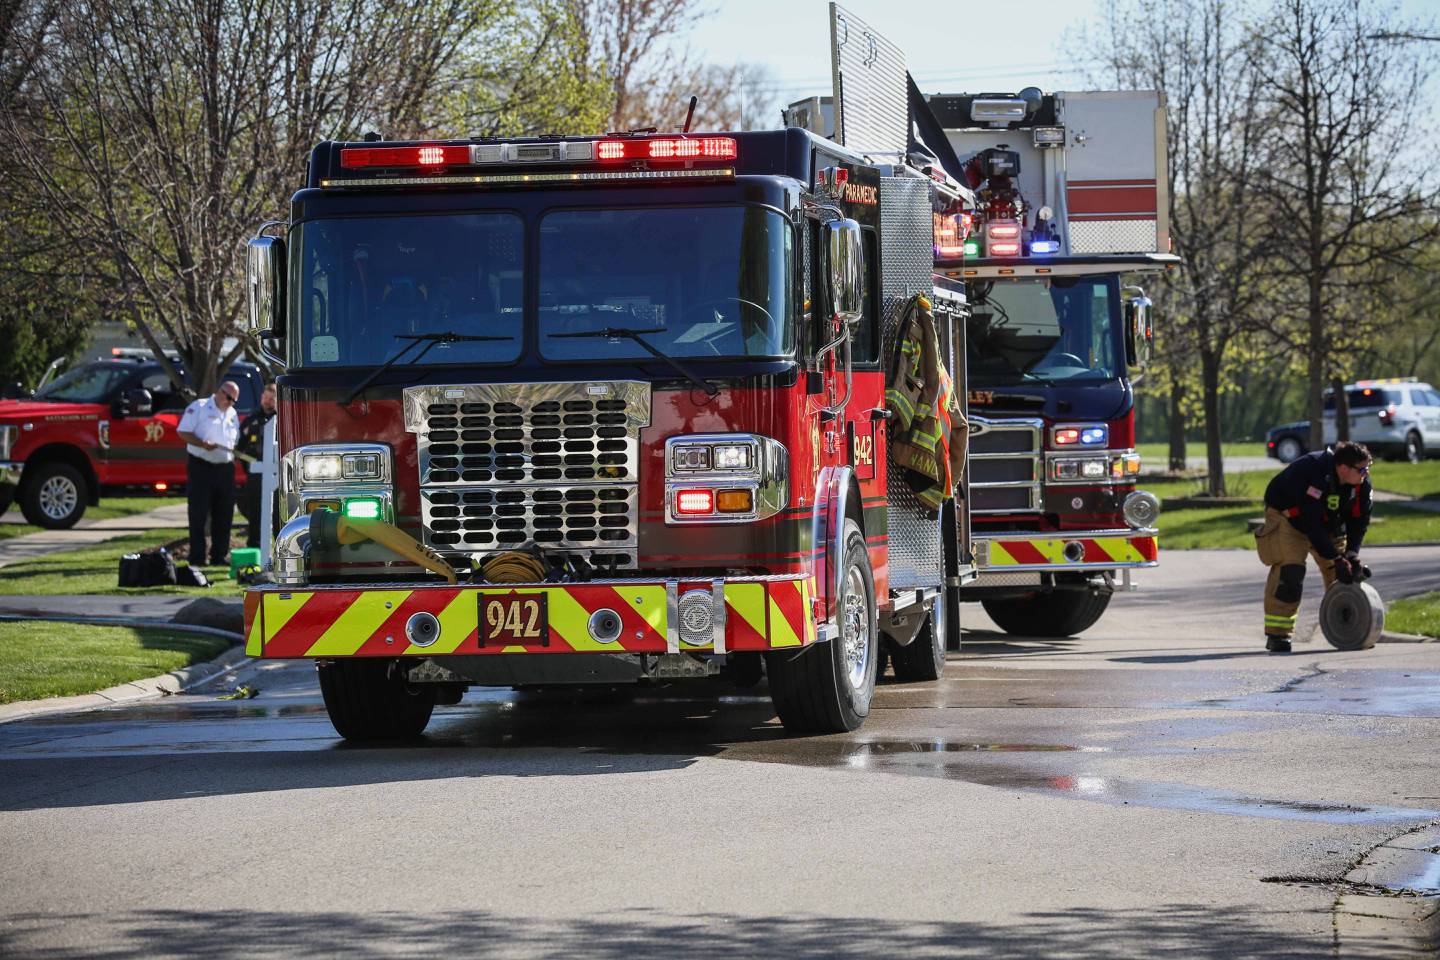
1112, 236
868, 75
907, 268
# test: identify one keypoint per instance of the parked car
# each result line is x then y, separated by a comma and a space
105, 425
1398, 419
1288, 441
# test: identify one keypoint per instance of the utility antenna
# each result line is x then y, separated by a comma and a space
690, 114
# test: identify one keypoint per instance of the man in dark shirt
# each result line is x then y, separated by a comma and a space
1320, 505
252, 435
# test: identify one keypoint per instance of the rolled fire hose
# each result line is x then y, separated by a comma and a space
328, 527
513, 567
1352, 616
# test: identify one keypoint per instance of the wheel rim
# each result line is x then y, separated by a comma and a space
856, 630
1289, 449
58, 497
1412, 450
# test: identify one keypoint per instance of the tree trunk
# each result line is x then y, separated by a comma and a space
1210, 380
1342, 410
1315, 363
1177, 427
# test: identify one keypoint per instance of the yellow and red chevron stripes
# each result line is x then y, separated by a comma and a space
760, 615
1030, 552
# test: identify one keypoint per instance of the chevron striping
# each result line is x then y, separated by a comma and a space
356, 623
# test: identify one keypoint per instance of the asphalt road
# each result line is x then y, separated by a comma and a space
1158, 787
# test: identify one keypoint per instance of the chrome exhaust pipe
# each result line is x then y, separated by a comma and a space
291, 556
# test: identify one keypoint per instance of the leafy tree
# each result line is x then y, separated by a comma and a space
1348, 195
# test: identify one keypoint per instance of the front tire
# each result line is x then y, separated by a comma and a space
1063, 613
1289, 449
924, 658
54, 496
827, 688
366, 702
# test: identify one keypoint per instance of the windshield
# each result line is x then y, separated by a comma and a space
1051, 330
92, 384
358, 282
709, 281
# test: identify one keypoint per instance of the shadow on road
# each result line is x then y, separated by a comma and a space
1188, 930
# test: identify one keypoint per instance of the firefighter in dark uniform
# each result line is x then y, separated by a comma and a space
252, 435
1320, 505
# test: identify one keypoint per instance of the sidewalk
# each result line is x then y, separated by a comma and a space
1405, 500
33, 545
157, 607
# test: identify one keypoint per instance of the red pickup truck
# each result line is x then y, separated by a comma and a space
106, 425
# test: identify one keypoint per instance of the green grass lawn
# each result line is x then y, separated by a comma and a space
1157, 455
109, 509
1250, 483
1205, 527
1418, 615
1412, 479
1416, 479
40, 659
95, 569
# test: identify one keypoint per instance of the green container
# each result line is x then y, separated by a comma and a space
242, 557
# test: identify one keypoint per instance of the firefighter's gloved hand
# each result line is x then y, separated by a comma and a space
1360, 570
1344, 570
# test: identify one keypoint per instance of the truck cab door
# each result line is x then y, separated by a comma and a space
145, 448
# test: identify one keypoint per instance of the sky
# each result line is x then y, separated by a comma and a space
1002, 45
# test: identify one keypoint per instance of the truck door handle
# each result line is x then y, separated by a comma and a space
880, 413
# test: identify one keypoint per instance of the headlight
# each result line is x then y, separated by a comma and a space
1109, 467
724, 478
351, 478
320, 466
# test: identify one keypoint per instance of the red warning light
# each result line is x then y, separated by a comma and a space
432, 155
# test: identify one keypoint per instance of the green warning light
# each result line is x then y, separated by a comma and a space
972, 248
367, 509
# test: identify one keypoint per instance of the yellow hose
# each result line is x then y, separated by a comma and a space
354, 530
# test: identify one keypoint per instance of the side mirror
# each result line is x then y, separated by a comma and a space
1139, 331
840, 241
265, 286
135, 402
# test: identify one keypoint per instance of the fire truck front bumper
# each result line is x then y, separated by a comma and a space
1002, 554
656, 616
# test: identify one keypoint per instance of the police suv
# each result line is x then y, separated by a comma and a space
1396, 418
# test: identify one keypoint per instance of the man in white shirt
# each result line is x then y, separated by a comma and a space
210, 429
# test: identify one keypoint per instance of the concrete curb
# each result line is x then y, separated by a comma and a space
1392, 908
1389, 637
176, 681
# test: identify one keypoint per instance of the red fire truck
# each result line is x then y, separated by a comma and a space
1070, 214
602, 409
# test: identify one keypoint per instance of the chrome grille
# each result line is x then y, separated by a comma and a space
1004, 459
553, 464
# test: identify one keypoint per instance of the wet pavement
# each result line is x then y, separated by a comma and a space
1157, 786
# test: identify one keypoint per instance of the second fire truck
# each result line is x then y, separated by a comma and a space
1070, 215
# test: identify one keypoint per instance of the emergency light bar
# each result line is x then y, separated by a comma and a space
690, 148
439, 155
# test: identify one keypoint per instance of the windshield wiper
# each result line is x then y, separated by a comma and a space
638, 336
429, 339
